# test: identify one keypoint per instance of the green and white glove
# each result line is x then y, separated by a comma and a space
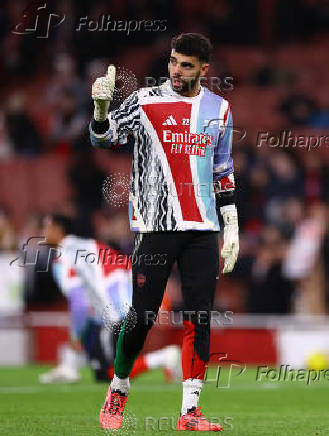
230, 248
102, 94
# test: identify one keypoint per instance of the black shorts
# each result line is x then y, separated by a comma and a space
197, 256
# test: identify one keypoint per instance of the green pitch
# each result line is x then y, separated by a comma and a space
247, 408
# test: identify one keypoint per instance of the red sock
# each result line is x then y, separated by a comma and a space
139, 367
110, 372
192, 365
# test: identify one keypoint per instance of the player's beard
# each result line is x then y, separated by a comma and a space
185, 85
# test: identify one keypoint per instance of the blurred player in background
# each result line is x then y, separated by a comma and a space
182, 176
96, 280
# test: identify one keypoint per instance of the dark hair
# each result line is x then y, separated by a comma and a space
64, 221
192, 44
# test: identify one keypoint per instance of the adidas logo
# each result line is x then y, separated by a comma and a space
170, 121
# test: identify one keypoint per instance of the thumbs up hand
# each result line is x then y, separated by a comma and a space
102, 93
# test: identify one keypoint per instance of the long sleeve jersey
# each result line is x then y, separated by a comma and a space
182, 145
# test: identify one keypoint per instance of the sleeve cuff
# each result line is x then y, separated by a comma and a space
227, 208
101, 137
100, 127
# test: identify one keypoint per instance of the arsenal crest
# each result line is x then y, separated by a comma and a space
141, 279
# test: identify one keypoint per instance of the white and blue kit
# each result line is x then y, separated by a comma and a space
96, 287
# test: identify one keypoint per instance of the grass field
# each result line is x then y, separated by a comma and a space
247, 408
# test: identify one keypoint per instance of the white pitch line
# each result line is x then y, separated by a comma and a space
145, 388
53, 388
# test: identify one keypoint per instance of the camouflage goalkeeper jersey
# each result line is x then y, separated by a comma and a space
182, 144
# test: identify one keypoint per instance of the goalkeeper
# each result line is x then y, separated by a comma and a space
182, 177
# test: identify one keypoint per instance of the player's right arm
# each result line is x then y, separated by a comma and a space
107, 129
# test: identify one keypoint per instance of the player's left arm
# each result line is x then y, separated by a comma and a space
224, 188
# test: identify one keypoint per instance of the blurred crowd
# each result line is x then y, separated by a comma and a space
280, 79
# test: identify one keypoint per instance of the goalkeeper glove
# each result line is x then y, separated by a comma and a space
230, 248
102, 94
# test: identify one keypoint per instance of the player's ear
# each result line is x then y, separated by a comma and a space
204, 69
